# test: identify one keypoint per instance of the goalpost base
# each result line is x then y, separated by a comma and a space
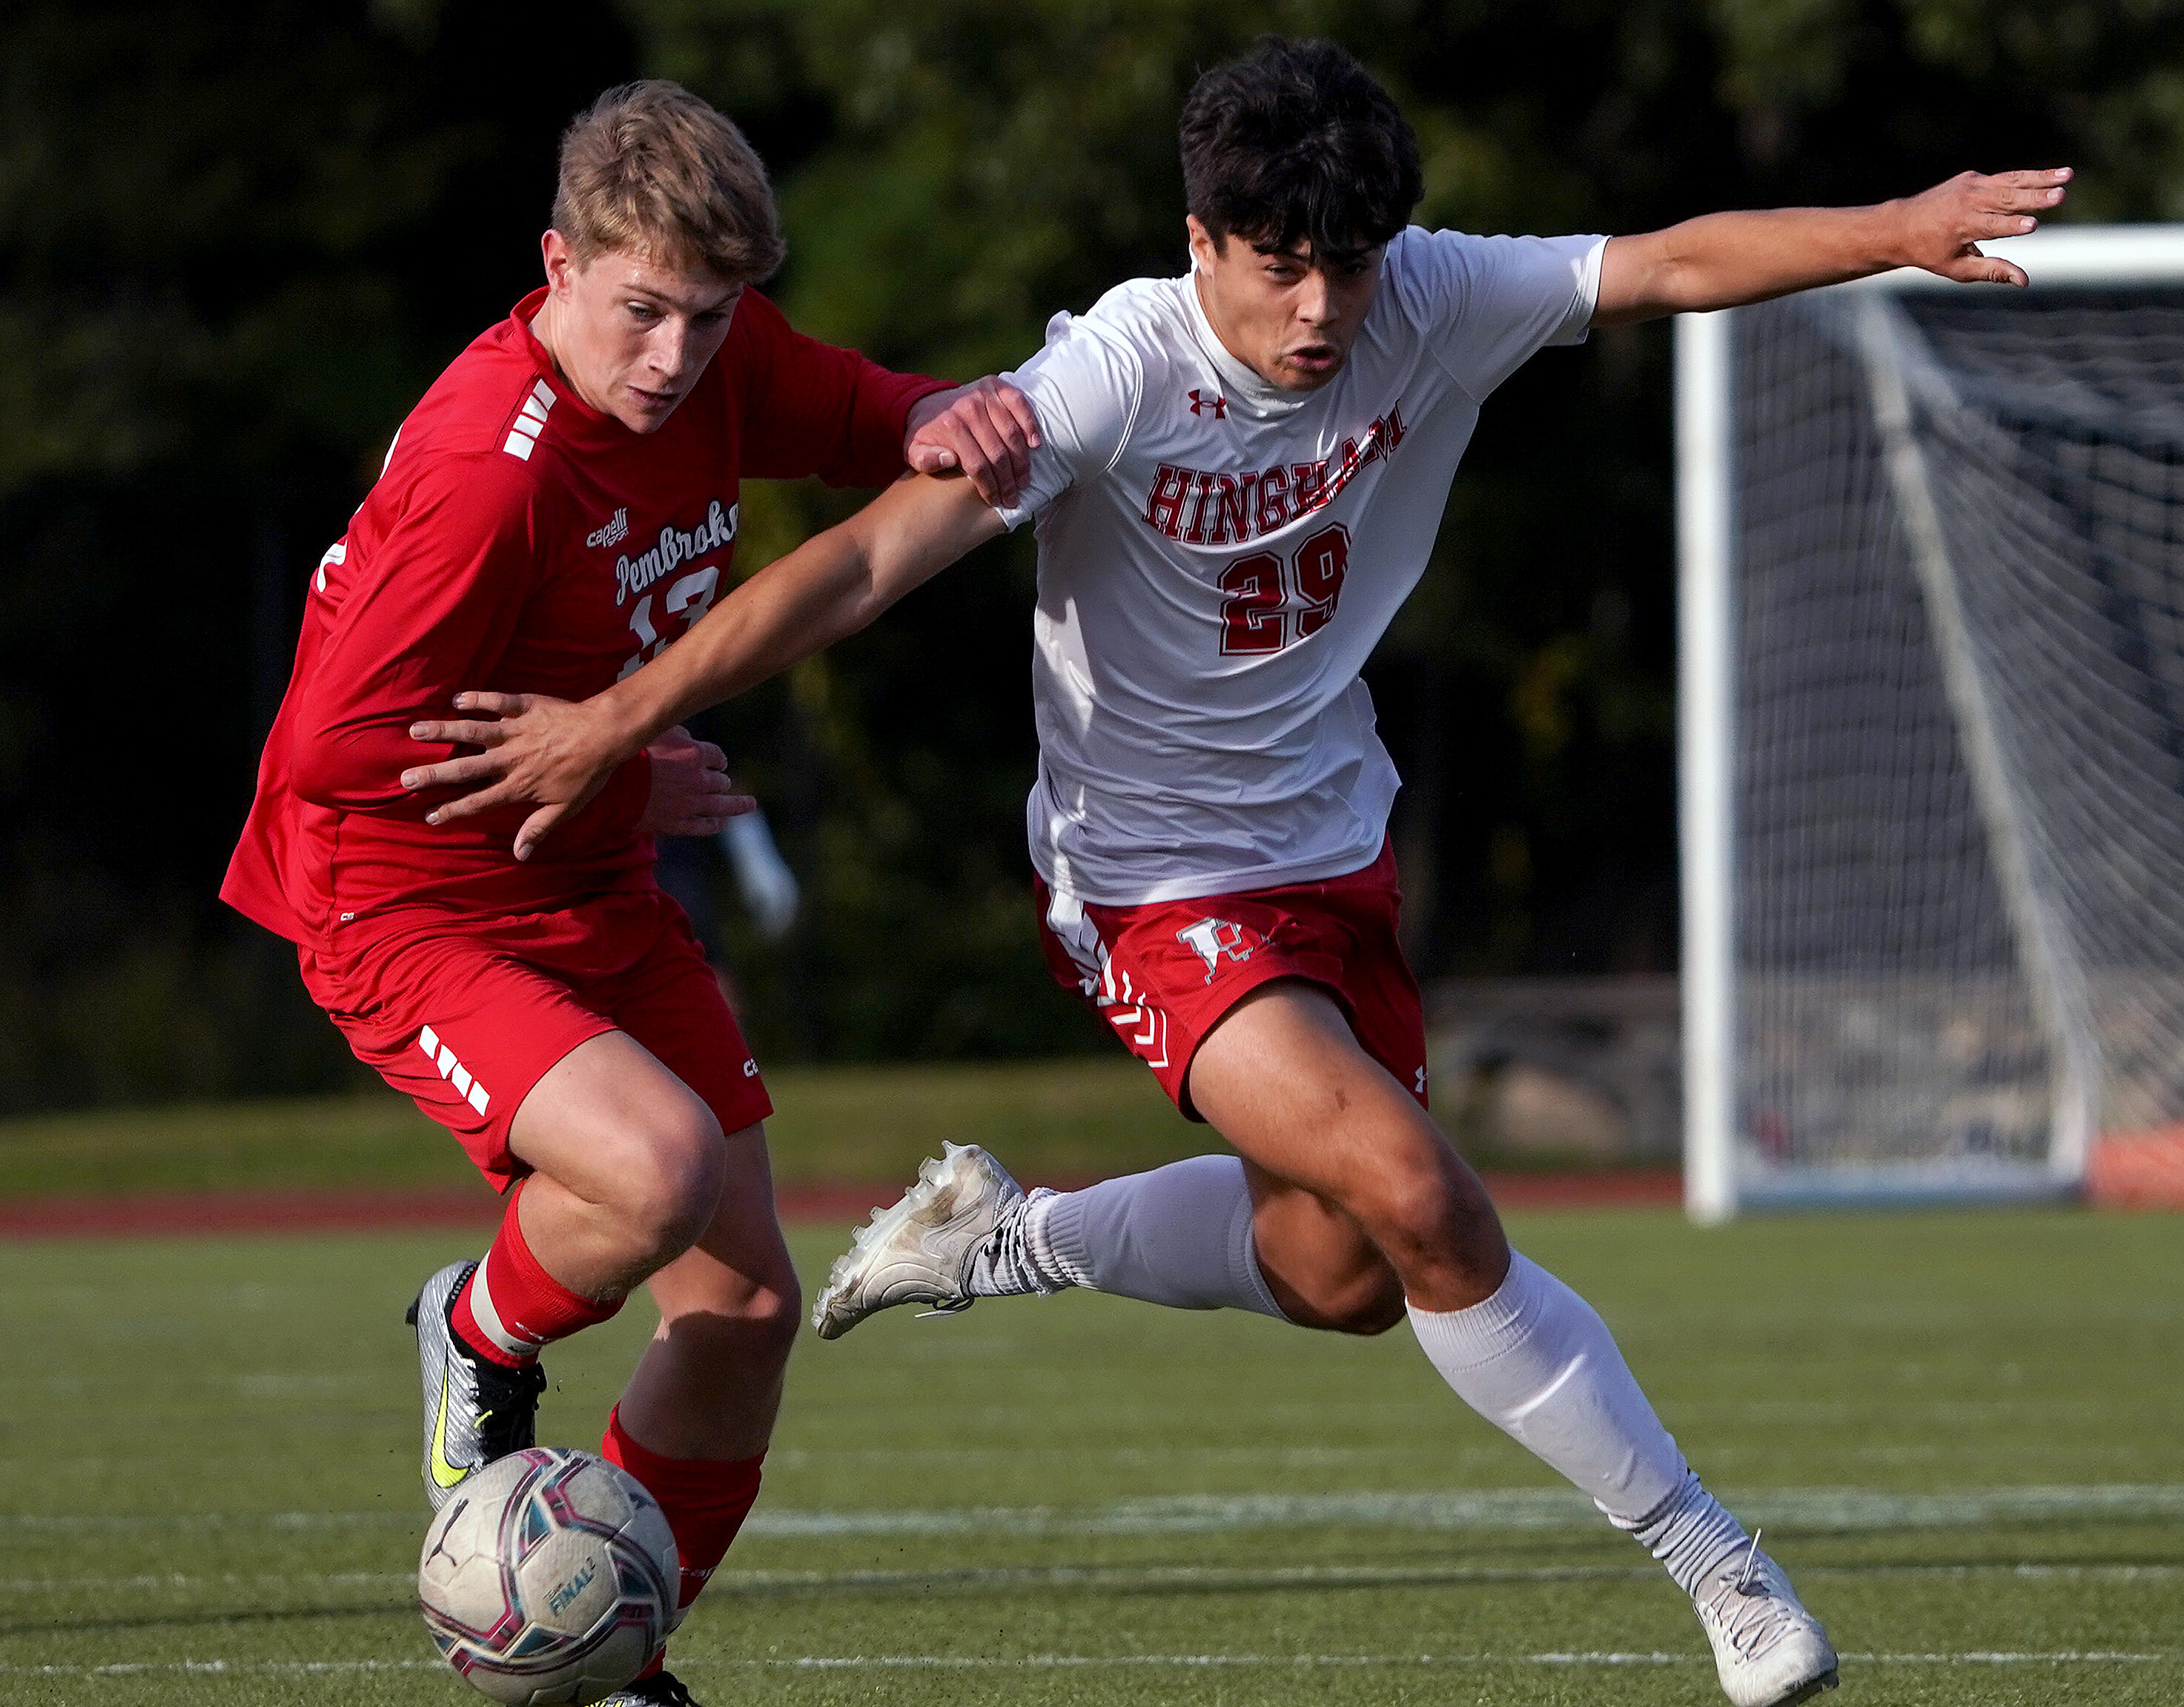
1903, 1188
2138, 1170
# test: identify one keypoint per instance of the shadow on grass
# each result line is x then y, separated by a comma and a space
205, 1619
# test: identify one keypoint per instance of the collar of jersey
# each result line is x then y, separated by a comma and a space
1240, 384
579, 419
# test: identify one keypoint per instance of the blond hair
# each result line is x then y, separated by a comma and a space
648, 169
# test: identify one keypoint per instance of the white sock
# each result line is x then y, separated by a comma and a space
1179, 1235
1691, 1534
1537, 1362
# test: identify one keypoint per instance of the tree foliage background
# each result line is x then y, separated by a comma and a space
236, 243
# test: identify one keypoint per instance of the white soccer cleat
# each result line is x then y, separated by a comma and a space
1768, 1650
920, 1251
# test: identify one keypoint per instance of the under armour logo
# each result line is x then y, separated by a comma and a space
1200, 403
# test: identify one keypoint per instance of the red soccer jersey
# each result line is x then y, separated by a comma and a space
519, 541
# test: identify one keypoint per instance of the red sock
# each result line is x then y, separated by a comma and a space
511, 1305
706, 1499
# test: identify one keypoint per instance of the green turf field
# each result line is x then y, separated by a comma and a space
1962, 1431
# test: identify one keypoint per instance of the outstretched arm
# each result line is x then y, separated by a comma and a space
1725, 260
554, 755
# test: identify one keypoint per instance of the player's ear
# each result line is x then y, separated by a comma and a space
1203, 248
554, 251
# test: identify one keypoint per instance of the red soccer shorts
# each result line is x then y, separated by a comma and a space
465, 1016
1164, 973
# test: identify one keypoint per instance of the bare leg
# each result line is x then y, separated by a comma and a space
709, 1385
1321, 1266
630, 1165
1346, 1164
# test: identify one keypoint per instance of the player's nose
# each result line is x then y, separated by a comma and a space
668, 347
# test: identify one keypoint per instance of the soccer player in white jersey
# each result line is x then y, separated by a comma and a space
1241, 474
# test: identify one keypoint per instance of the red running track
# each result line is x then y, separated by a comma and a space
165, 1214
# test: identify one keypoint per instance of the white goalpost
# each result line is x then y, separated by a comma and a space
1930, 702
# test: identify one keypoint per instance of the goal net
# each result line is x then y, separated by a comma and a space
1933, 699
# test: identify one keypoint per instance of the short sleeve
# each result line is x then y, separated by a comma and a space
1486, 303
1084, 386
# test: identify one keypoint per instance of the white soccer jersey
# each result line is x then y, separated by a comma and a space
1217, 558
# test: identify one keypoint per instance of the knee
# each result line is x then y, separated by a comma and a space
1367, 1302
1435, 1211
672, 1184
750, 1325
771, 1316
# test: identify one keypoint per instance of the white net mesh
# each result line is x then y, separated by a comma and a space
1959, 731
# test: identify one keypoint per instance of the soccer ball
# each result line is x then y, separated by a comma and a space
550, 1576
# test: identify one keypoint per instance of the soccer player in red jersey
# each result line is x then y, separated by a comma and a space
561, 506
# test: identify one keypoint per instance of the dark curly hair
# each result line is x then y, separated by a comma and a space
1296, 140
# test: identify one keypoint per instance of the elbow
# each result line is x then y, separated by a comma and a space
1679, 286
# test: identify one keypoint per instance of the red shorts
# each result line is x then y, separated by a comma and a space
1164, 973
466, 1016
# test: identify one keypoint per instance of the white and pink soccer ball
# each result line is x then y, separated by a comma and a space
551, 1577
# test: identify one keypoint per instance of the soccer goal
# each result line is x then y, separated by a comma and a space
1931, 702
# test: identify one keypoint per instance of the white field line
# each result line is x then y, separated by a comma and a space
1505, 1508
1241, 1579
1509, 1508
1028, 1662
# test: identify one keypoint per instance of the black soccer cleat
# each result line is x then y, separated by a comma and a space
476, 1410
661, 1689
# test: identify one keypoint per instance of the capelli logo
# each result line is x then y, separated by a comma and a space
616, 531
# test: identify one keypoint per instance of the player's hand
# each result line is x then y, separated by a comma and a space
986, 429
1942, 228
691, 793
542, 752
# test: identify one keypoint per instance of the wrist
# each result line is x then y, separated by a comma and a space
1888, 238
630, 724
921, 410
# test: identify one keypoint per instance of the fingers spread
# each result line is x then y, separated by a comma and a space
498, 705
1977, 269
537, 827
453, 772
469, 805
461, 734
